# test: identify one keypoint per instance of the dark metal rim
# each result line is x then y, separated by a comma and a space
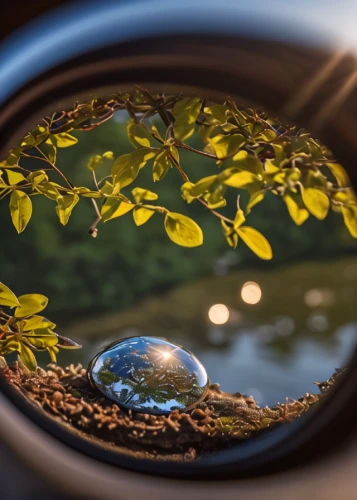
315, 434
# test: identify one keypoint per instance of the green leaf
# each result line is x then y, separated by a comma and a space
14, 177
226, 145
20, 209
64, 140
126, 167
142, 215
113, 208
139, 135
30, 304
161, 165
256, 242
141, 194
186, 112
27, 357
316, 201
349, 213
7, 297
65, 205
296, 209
182, 230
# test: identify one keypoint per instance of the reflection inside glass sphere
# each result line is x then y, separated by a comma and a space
150, 375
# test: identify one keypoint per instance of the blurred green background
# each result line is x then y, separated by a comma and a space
132, 280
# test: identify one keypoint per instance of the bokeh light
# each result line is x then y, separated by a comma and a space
251, 292
218, 314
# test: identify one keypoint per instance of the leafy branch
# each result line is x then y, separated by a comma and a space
253, 152
25, 330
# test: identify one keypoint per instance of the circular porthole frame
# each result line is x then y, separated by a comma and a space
254, 70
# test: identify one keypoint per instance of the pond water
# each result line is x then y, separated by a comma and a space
271, 348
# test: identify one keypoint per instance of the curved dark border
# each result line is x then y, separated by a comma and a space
266, 73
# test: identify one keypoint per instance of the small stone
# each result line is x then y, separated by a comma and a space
57, 397
198, 414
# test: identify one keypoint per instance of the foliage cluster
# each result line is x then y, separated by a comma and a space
253, 152
26, 331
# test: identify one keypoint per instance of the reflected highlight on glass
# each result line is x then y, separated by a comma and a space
251, 293
149, 375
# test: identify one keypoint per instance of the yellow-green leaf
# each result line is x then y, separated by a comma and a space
30, 304
64, 140
182, 230
226, 145
340, 174
256, 242
53, 351
316, 201
113, 208
87, 193
230, 234
237, 178
49, 150
186, 112
349, 213
27, 357
139, 135
140, 194
202, 185
20, 209
296, 209
65, 205
245, 161
108, 155
216, 114
126, 167
161, 165
255, 198
12, 160
94, 162
49, 189
142, 215
37, 177
14, 177
36, 322
7, 297
239, 219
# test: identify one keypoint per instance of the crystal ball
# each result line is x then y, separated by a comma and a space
149, 375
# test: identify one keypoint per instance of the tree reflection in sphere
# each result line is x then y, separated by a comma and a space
150, 375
